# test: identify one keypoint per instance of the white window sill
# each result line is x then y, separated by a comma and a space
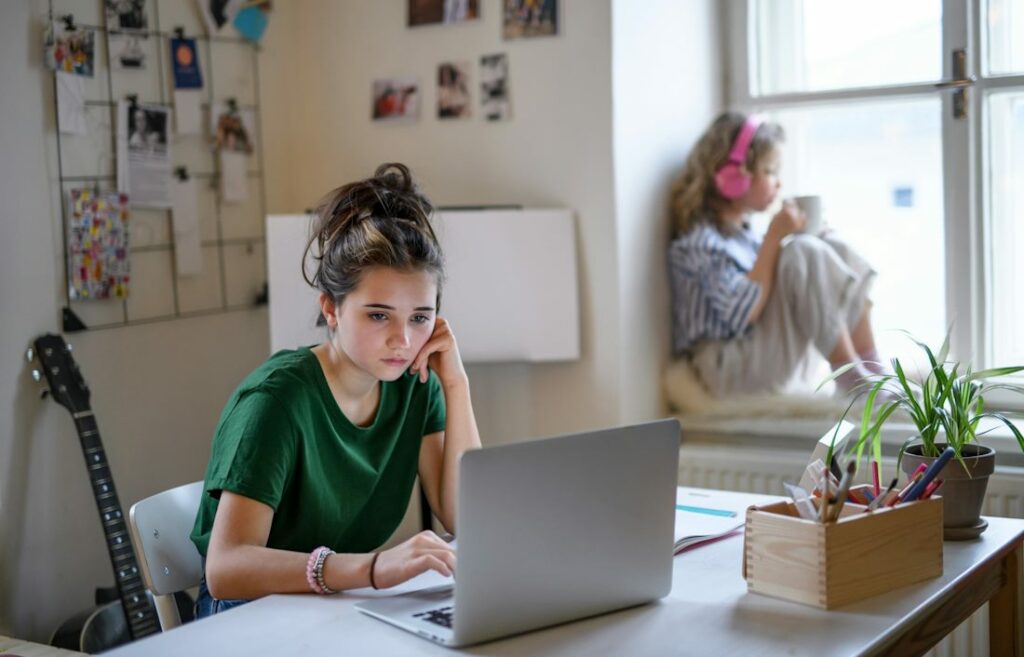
803, 433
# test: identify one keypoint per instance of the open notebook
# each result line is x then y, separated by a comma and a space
704, 515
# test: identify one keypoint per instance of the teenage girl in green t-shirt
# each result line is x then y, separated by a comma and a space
318, 448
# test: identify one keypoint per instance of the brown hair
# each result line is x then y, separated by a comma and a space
382, 221
695, 197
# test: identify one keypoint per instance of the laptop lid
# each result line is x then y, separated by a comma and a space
563, 528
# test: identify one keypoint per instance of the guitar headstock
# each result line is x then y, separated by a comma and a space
61, 372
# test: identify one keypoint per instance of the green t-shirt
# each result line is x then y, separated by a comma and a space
283, 440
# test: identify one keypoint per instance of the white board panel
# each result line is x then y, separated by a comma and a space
293, 306
511, 292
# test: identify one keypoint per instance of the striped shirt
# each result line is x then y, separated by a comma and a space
712, 298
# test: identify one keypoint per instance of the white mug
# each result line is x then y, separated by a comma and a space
811, 207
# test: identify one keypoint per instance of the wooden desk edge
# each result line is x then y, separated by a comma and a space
995, 580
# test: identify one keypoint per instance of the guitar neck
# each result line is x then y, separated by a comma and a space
141, 616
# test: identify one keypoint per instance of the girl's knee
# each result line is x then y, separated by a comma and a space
801, 245
796, 257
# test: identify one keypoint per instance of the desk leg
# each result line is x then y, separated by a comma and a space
1005, 627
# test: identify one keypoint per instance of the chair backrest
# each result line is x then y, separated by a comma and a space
160, 527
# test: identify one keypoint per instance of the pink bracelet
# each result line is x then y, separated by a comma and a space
315, 570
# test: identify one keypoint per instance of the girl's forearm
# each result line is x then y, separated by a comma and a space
763, 272
460, 434
245, 572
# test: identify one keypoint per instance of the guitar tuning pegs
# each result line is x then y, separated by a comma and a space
68, 348
30, 354
37, 376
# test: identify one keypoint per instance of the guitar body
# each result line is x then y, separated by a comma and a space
93, 630
105, 627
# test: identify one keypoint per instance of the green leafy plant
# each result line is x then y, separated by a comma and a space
946, 401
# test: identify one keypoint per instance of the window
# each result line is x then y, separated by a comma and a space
908, 119
814, 46
1004, 19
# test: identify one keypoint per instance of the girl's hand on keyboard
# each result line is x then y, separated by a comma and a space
424, 551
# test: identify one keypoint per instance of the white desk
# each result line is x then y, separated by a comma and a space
708, 612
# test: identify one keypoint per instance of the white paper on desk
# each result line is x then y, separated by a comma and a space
696, 527
188, 255
71, 103
234, 187
188, 118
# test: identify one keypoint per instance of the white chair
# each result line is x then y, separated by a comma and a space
160, 527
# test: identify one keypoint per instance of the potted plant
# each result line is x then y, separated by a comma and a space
945, 404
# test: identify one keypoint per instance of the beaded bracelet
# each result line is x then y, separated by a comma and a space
315, 570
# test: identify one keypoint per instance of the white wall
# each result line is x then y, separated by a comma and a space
157, 389
667, 81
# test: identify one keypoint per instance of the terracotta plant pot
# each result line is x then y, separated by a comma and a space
962, 491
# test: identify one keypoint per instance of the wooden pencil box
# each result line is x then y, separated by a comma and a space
828, 565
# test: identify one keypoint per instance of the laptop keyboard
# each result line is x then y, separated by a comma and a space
441, 616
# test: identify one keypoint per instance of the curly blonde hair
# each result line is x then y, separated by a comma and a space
695, 198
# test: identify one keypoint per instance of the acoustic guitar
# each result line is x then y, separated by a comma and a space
125, 612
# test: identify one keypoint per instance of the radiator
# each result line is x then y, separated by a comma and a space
762, 471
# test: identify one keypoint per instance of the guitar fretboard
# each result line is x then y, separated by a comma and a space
139, 611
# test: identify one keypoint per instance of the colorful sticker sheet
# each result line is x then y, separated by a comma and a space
97, 245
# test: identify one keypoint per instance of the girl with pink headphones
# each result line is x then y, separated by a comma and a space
747, 308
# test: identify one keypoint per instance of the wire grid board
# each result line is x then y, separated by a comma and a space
232, 235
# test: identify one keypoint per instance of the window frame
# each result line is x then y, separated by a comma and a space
967, 191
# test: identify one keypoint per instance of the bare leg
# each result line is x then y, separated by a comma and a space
863, 337
842, 354
844, 351
864, 342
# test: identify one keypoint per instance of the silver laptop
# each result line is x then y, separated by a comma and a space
551, 531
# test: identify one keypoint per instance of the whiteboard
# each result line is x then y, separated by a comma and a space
511, 294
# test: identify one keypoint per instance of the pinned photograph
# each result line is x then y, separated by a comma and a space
144, 148
69, 50
453, 100
429, 12
494, 87
218, 13
185, 64
396, 99
235, 129
126, 15
530, 18
235, 142
126, 51
147, 129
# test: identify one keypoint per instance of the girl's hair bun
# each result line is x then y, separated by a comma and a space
380, 221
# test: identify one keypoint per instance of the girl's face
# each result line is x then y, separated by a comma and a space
385, 321
764, 183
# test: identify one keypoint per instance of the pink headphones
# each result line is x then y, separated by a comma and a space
730, 179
